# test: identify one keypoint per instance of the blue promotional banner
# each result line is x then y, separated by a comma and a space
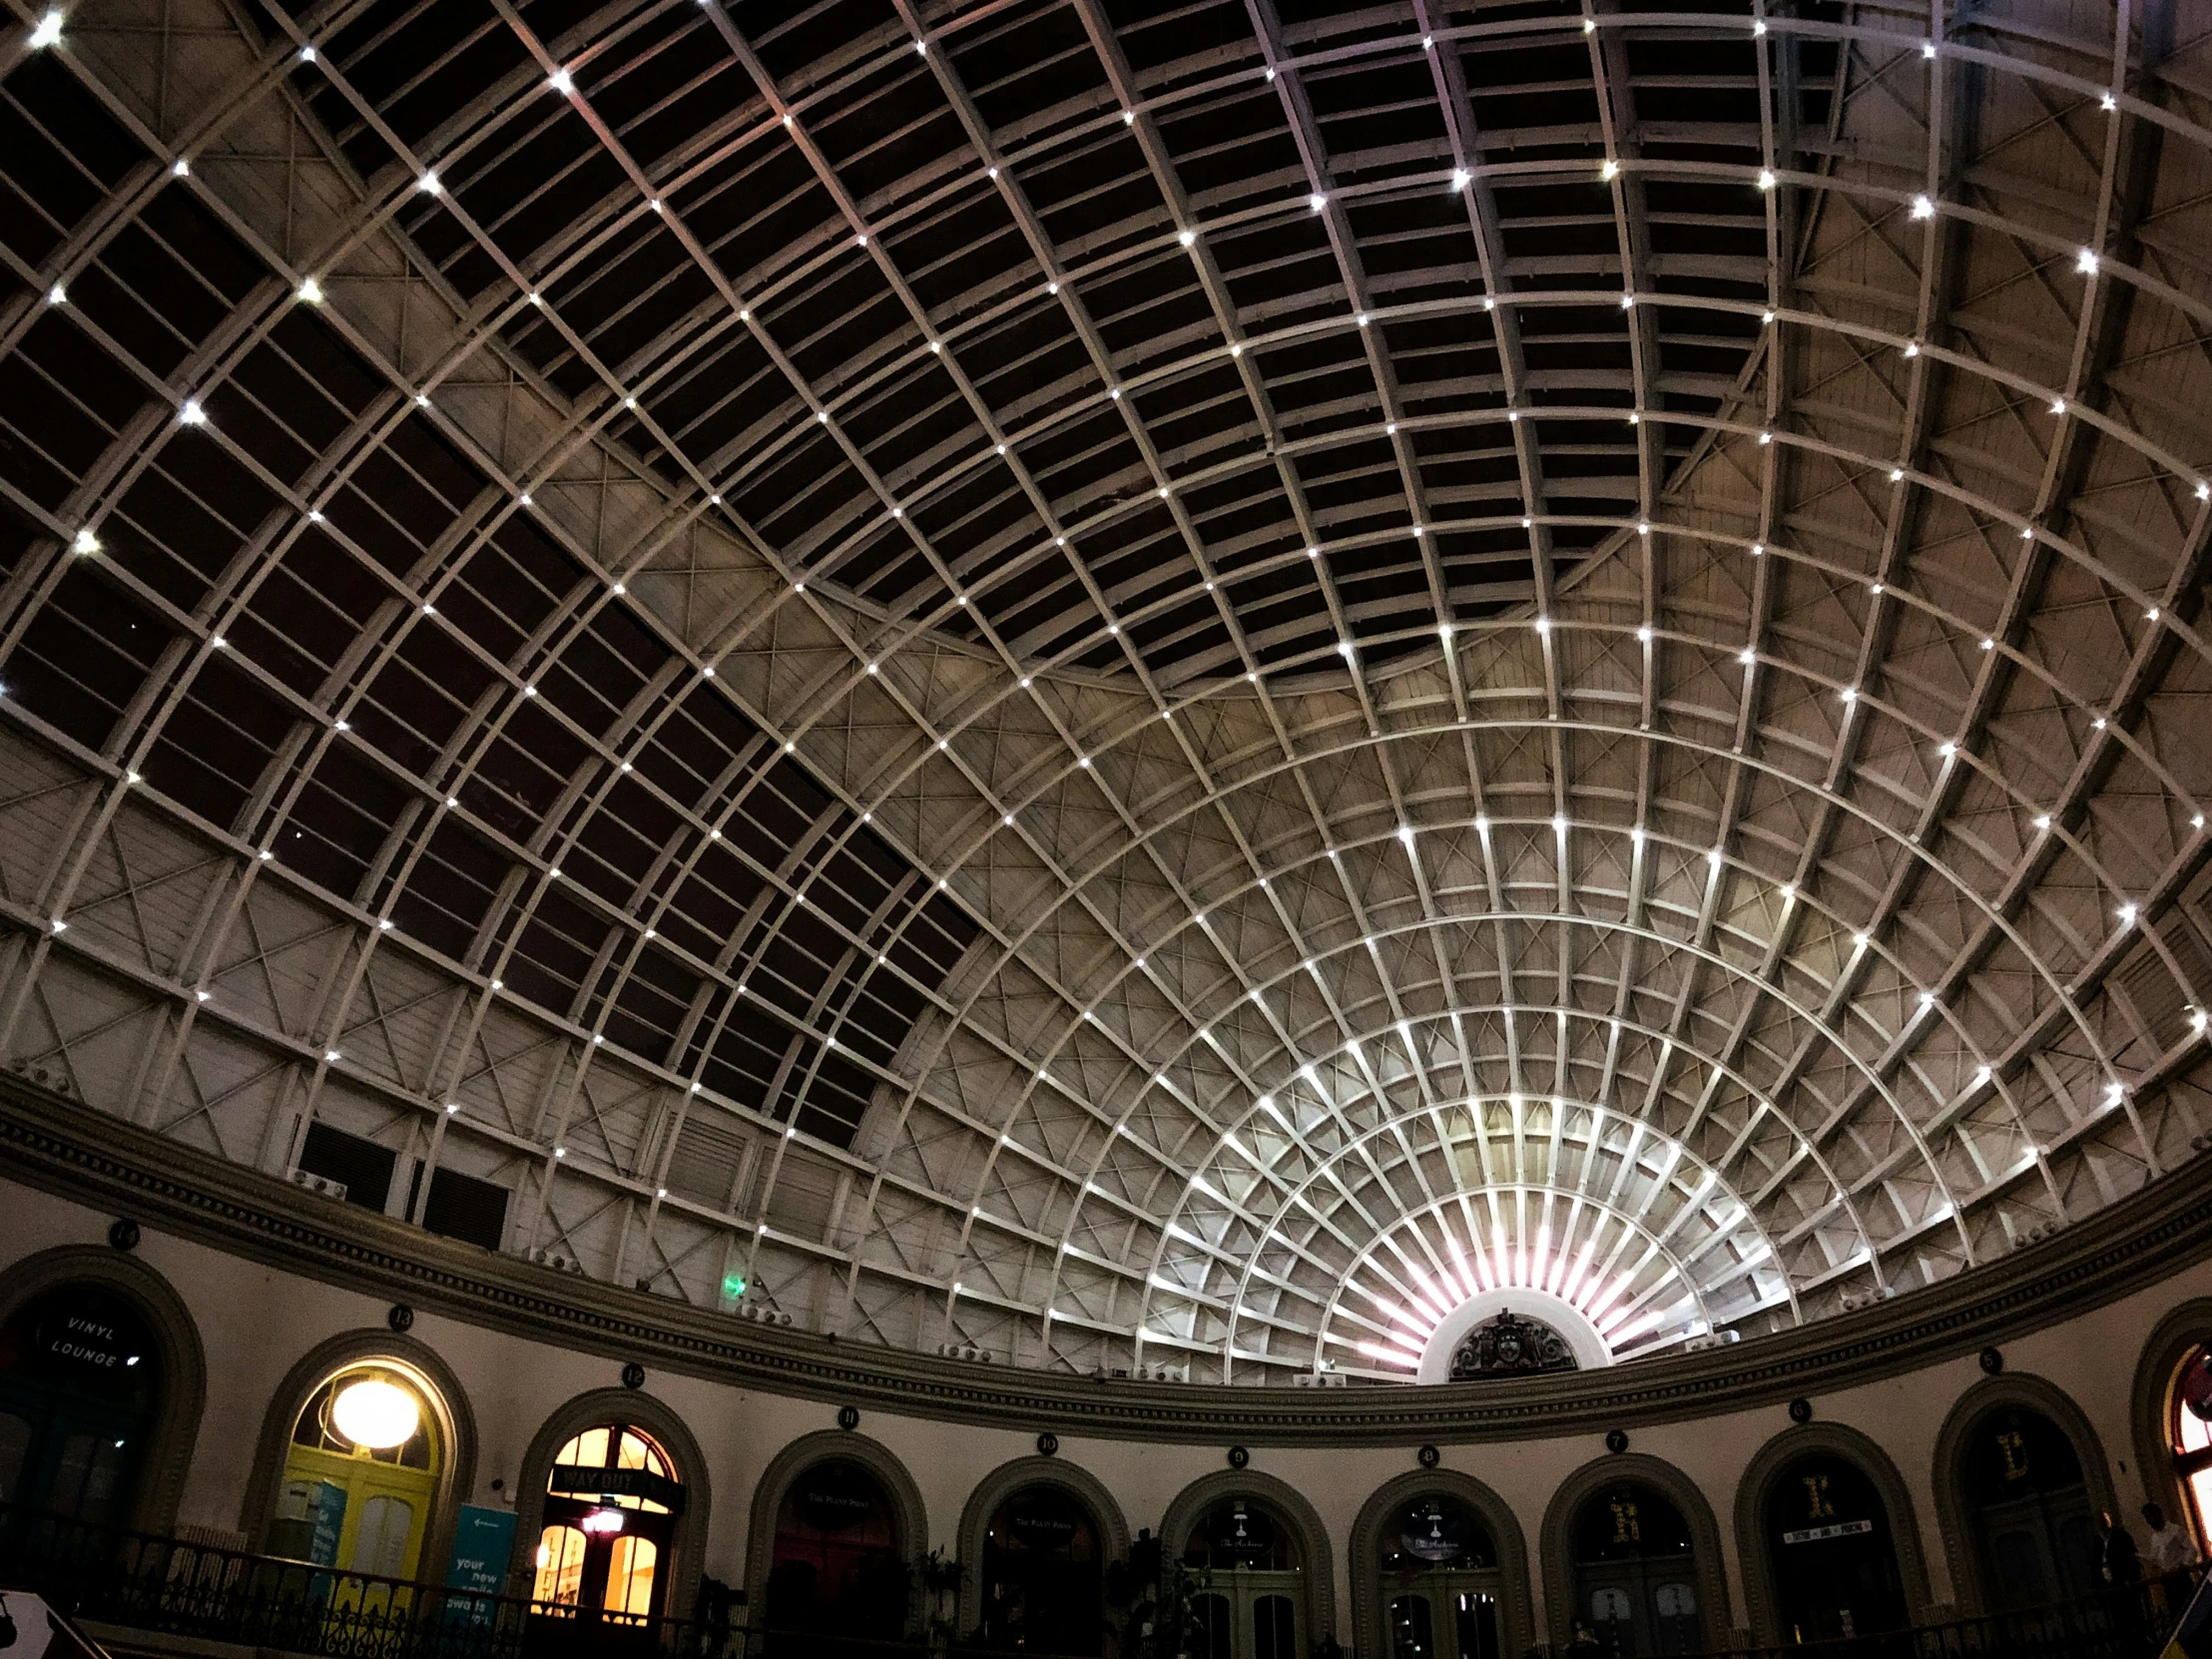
328, 1516
483, 1543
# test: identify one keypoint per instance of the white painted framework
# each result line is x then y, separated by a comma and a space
1791, 896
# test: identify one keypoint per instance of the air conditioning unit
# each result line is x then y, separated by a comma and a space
1321, 1380
1162, 1374
965, 1350
1712, 1339
761, 1314
318, 1183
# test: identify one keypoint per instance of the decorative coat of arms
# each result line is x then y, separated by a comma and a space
1509, 1345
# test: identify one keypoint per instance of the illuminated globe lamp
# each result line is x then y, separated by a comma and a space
375, 1415
603, 1520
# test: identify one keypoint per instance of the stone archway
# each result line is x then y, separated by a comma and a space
1368, 1633
1680, 1490
822, 1446
1838, 1441
1313, 1536
183, 1362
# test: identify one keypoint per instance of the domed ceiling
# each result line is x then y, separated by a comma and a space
1122, 687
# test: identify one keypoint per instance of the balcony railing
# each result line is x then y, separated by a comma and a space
142, 1582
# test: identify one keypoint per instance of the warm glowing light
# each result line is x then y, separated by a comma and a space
601, 1520
376, 1414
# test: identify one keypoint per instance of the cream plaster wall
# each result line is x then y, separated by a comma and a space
256, 1321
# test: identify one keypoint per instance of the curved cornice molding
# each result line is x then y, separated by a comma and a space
64, 1147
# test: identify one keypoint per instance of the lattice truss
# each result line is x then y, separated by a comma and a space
1145, 689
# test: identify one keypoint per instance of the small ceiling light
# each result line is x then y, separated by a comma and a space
1460, 177
1897, 475
1589, 25
311, 291
192, 414
2043, 821
1928, 49
1765, 178
1765, 317
1923, 208
1128, 118
1316, 202
1544, 625
376, 1414
1187, 237
429, 185
1643, 634
86, 542
1628, 301
1758, 26
2059, 405
1610, 171
1988, 645
2108, 103
1766, 437
1912, 348
47, 32
1850, 694
1747, 657
561, 83
2127, 915
2085, 262
59, 296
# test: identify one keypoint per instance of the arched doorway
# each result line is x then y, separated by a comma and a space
1636, 1573
612, 1499
1828, 1545
2188, 1423
1441, 1581
1253, 1577
2028, 1510
1041, 1574
80, 1392
361, 1472
837, 1567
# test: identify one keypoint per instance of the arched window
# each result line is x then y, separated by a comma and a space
1635, 1576
1830, 1547
2190, 1433
2028, 1508
611, 1502
838, 1565
1254, 1580
361, 1472
80, 1387
1041, 1574
1440, 1582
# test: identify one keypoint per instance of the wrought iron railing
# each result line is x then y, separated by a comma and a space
2129, 1623
142, 1582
